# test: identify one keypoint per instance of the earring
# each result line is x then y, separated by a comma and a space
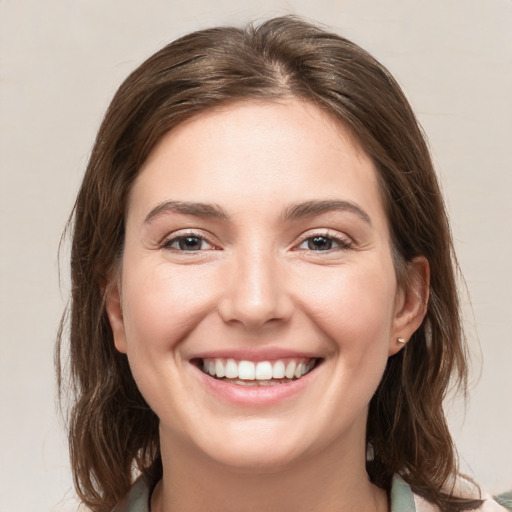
401, 340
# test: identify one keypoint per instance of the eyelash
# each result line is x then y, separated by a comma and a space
342, 243
168, 243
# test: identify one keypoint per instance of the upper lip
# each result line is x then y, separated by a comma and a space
255, 354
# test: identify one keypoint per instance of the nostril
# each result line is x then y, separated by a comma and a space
253, 314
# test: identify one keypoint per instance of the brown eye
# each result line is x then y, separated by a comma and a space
187, 243
324, 243
320, 243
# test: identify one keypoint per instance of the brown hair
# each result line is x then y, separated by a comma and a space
112, 430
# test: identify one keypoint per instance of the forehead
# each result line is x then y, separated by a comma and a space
278, 124
268, 151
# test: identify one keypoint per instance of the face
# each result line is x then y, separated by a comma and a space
257, 300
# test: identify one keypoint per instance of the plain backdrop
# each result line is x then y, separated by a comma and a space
60, 63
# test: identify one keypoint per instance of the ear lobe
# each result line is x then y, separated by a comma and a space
411, 304
114, 310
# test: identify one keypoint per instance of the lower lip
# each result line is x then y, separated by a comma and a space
254, 395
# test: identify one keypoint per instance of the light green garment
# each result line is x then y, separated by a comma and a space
402, 499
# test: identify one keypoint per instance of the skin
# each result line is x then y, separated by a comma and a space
257, 280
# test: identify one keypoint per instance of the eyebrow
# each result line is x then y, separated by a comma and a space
187, 208
311, 208
292, 212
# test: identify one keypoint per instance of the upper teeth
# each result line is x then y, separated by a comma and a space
262, 370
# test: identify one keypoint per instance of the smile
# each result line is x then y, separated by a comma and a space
261, 373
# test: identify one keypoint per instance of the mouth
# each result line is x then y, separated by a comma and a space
257, 373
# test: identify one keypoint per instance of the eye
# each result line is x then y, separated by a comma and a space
323, 243
188, 243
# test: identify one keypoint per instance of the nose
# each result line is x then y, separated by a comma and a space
255, 292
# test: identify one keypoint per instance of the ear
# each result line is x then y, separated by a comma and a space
114, 308
411, 303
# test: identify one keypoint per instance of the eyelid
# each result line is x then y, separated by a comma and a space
345, 242
184, 233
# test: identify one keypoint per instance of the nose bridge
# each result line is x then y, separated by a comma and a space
256, 293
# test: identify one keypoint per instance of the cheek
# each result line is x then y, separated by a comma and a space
160, 309
355, 306
162, 305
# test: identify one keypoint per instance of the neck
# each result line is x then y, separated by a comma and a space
326, 482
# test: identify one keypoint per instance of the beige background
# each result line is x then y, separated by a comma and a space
61, 61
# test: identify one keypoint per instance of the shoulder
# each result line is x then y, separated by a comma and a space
489, 505
404, 500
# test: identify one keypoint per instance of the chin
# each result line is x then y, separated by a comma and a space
255, 459
257, 446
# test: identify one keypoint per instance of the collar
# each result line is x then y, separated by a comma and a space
138, 499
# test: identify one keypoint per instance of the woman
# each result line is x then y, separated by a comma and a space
264, 311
